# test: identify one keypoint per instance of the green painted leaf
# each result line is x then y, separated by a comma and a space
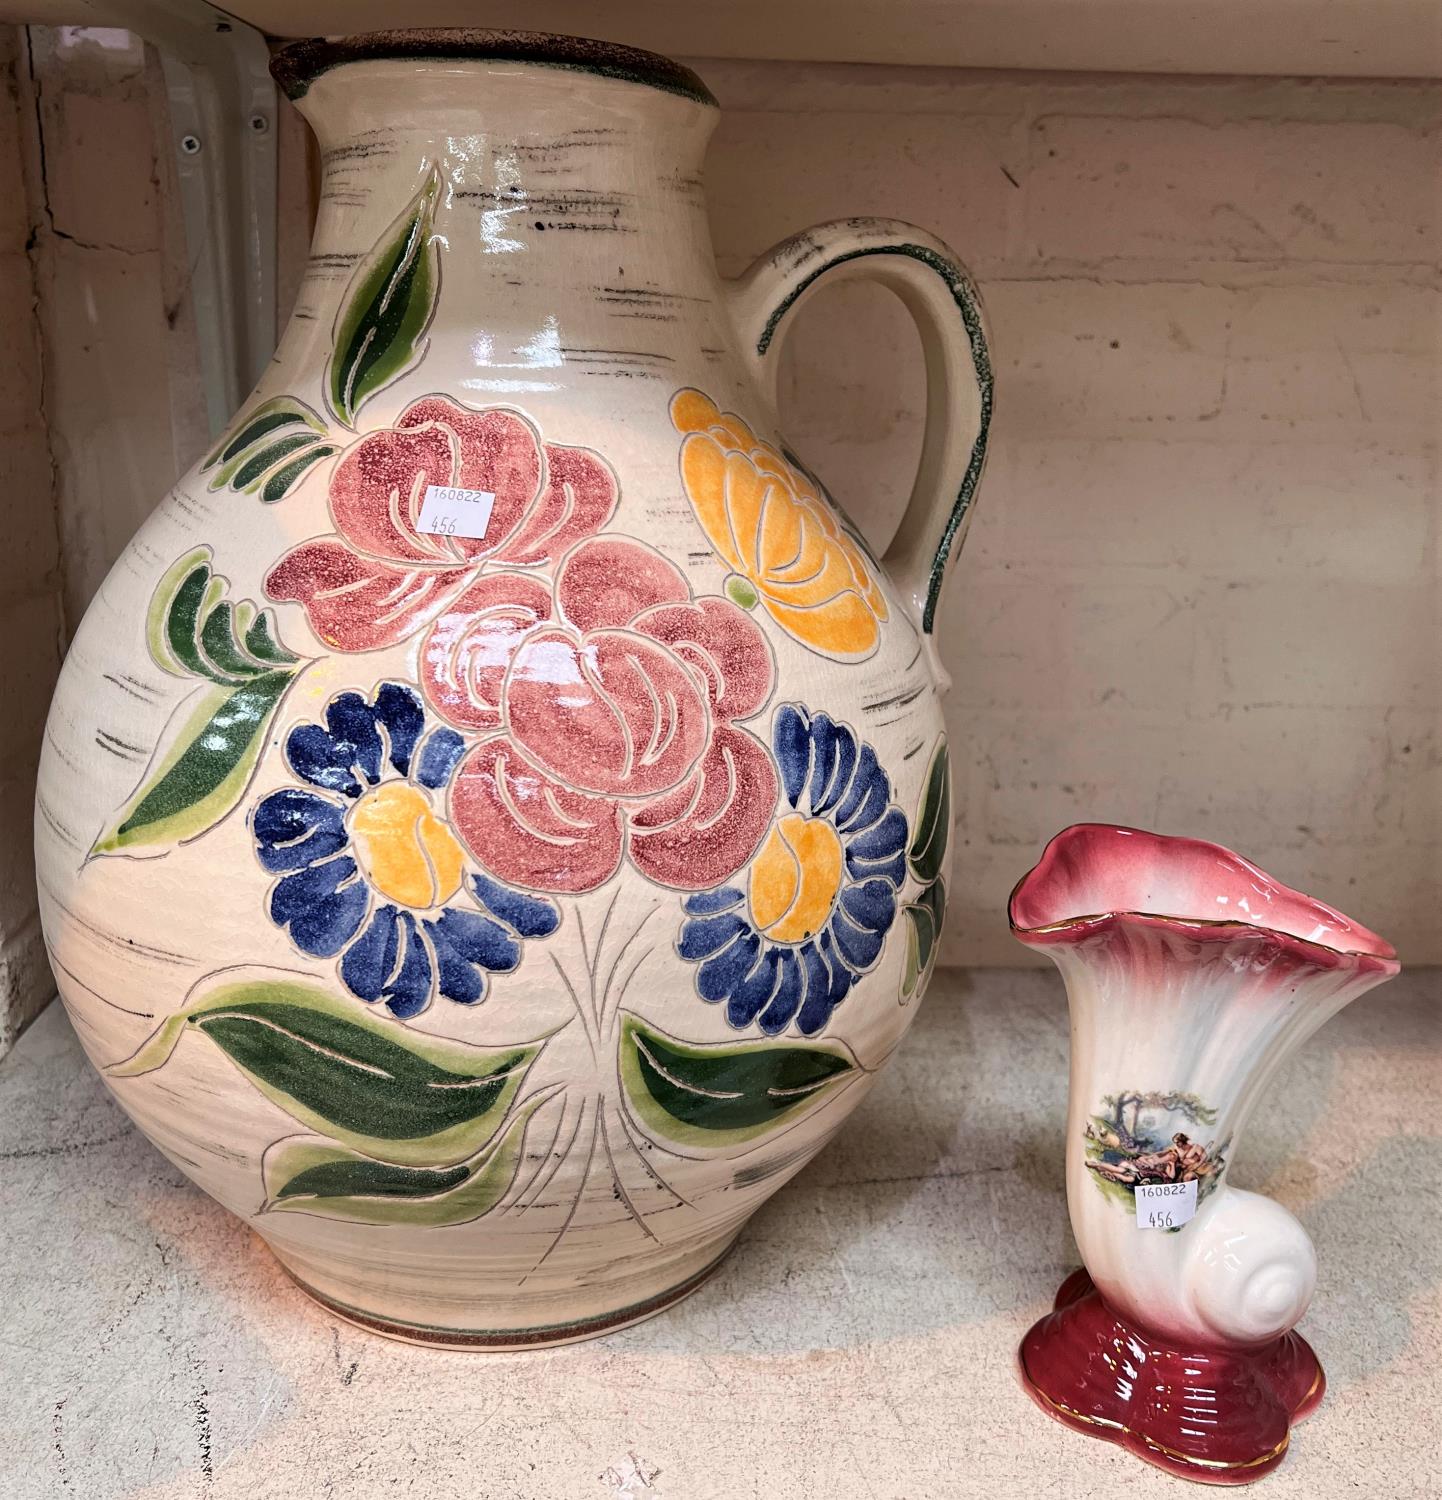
311, 1166
267, 457
387, 308
685, 1094
927, 855
911, 968
209, 752
197, 595
311, 1175
741, 591
260, 641
385, 1090
271, 448
193, 632
278, 483
162, 602
923, 933
279, 414
202, 770
218, 642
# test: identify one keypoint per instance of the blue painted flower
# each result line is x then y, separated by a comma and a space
369, 866
820, 895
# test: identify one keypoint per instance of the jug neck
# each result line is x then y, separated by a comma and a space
544, 168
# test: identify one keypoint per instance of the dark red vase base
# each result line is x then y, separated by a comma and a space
1219, 1416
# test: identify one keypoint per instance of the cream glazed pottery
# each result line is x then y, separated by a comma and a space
1191, 977
494, 817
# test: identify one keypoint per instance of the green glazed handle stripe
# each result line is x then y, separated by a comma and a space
968, 306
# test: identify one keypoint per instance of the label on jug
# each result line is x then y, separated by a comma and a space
1165, 1205
448, 511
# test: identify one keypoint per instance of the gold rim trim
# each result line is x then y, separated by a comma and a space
1381, 951
1162, 916
1215, 1464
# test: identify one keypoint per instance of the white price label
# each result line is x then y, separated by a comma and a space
1166, 1205
447, 511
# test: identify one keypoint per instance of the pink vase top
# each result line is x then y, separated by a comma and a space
1094, 878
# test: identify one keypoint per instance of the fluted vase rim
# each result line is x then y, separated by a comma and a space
1093, 878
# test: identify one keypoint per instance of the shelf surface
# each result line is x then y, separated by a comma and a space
1356, 38
859, 1341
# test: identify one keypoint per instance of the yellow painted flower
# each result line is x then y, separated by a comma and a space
795, 879
369, 871
778, 534
822, 892
405, 851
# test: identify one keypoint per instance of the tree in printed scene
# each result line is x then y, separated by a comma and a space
1123, 1153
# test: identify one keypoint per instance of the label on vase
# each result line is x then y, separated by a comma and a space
1165, 1205
448, 511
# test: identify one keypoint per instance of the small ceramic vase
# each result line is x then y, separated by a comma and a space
493, 818
1191, 977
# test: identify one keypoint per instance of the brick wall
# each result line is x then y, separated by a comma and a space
30, 624
1202, 591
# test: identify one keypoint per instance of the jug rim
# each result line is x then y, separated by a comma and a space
298, 64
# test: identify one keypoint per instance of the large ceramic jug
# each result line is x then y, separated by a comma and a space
494, 815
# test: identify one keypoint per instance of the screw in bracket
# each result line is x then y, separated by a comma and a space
259, 124
190, 144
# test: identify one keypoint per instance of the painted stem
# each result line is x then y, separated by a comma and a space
599, 1011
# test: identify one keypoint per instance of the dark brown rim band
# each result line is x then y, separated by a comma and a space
297, 65
515, 1338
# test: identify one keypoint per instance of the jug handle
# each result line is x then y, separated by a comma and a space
943, 301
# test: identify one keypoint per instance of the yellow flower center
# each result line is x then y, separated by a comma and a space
795, 878
405, 851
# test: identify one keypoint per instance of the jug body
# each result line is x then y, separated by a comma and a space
493, 820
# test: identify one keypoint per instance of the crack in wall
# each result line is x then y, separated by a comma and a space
40, 197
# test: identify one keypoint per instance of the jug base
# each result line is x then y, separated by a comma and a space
546, 1334
1069, 1363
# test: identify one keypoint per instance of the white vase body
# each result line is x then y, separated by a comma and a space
1159, 1013
1191, 976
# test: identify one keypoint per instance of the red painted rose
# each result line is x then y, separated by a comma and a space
611, 700
379, 578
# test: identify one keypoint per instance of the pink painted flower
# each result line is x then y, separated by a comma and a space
608, 705
380, 579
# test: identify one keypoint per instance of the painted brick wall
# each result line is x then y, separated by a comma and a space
29, 586
1202, 591
122, 388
